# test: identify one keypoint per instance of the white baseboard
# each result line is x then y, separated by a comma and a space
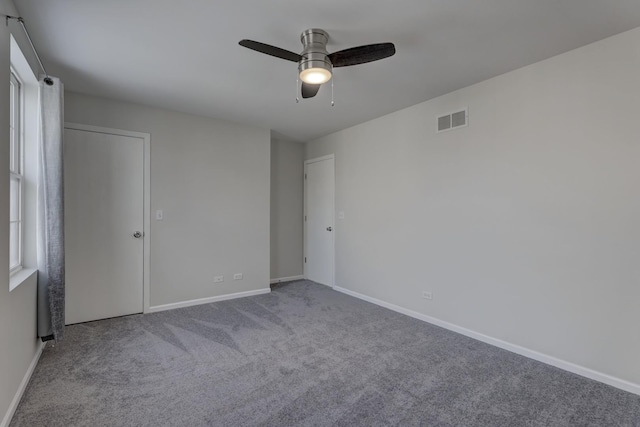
523, 351
163, 307
23, 385
286, 279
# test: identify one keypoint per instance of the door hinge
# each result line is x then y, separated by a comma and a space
305, 176
305, 259
305, 217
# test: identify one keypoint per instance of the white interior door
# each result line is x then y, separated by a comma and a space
319, 224
104, 208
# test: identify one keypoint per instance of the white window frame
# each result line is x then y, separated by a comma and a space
16, 162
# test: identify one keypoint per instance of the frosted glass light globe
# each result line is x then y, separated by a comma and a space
315, 76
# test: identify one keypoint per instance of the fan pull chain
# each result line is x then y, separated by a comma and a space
297, 91
332, 103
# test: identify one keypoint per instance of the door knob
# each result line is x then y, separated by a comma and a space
329, 229
137, 234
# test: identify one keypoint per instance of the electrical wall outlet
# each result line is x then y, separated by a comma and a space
237, 276
427, 295
218, 279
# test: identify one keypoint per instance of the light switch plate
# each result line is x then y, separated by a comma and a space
159, 215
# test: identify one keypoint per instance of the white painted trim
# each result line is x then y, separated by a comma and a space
320, 159
110, 131
146, 269
304, 214
514, 348
23, 386
163, 307
286, 279
21, 276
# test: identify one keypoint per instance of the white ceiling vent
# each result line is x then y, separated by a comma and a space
453, 120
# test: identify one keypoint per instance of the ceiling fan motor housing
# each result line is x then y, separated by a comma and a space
314, 54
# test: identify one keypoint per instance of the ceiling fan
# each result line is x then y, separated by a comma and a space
315, 64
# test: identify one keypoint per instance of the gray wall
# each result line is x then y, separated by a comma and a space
211, 178
18, 307
287, 174
525, 225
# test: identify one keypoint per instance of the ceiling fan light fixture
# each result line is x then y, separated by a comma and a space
315, 76
315, 64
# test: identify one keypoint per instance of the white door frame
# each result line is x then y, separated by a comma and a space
146, 215
304, 219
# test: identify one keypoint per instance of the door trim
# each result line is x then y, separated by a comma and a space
304, 214
146, 215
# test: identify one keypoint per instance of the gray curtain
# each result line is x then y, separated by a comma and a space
51, 212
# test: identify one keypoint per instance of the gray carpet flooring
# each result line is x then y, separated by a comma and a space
303, 355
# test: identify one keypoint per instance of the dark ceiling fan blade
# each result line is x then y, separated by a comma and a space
309, 90
362, 54
271, 50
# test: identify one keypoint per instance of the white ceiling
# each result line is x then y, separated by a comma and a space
184, 55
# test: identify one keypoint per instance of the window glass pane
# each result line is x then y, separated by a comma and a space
12, 153
14, 125
14, 199
15, 181
12, 101
12, 131
14, 245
